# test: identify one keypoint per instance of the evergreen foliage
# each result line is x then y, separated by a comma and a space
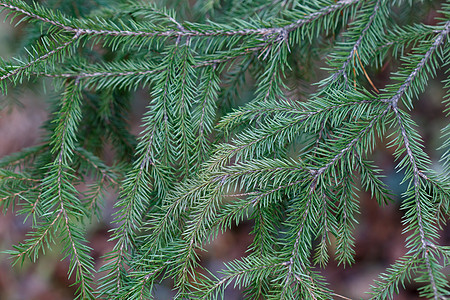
291, 159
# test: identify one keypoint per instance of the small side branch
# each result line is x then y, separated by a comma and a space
440, 39
307, 213
143, 72
416, 182
321, 13
41, 58
350, 145
358, 43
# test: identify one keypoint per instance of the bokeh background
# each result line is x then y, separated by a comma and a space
379, 239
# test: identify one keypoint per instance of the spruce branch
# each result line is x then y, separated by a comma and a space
66, 24
241, 272
59, 200
342, 71
424, 241
20, 159
294, 256
40, 58
253, 139
13, 195
63, 145
411, 158
226, 142
32, 246
16, 71
203, 115
135, 186
397, 273
438, 41
350, 146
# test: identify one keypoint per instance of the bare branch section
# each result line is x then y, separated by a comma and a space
281, 32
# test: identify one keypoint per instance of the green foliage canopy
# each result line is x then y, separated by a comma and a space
207, 159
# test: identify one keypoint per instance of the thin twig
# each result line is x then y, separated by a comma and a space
365, 73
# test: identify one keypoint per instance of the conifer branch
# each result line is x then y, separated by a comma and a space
204, 114
148, 277
350, 145
224, 154
65, 193
95, 194
403, 37
21, 69
279, 32
362, 35
22, 158
97, 165
33, 247
416, 173
420, 219
260, 195
82, 268
399, 270
144, 70
15, 194
225, 141
321, 257
439, 40
295, 249
236, 273
322, 12
129, 217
